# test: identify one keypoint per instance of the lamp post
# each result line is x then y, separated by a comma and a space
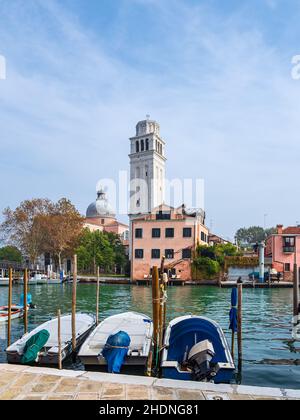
296, 286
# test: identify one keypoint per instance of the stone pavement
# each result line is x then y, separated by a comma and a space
26, 383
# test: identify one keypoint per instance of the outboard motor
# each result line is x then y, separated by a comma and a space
199, 361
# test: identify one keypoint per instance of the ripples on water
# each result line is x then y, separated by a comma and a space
270, 358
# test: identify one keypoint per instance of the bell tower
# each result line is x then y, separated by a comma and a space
147, 168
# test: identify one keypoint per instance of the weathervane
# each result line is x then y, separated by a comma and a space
148, 117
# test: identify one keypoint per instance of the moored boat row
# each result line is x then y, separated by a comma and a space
194, 347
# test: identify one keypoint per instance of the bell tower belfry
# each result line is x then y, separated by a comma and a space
147, 168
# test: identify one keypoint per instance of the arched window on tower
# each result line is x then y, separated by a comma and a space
137, 147
142, 146
147, 144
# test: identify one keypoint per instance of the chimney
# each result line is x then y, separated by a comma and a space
279, 229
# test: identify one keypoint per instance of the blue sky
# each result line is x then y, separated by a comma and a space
216, 74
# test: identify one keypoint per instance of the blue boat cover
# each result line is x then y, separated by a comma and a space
233, 313
115, 351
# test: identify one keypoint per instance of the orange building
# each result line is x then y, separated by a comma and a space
166, 231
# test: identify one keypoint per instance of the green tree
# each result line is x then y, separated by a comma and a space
100, 249
207, 266
253, 234
210, 260
10, 253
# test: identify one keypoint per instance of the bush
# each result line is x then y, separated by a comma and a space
207, 266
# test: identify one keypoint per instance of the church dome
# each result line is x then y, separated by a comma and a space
100, 208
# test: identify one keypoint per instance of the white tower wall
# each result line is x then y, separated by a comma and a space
147, 168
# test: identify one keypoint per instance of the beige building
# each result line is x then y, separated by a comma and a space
172, 233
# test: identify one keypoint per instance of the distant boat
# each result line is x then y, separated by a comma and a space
32, 281
4, 281
16, 312
137, 327
48, 354
195, 348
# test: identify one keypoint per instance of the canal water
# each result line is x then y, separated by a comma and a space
270, 356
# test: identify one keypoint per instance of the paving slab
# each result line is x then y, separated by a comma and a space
31, 383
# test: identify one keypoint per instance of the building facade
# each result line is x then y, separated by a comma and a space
283, 249
172, 233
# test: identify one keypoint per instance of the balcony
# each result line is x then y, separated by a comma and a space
288, 249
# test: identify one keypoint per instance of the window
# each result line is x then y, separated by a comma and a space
137, 147
138, 233
186, 253
203, 236
289, 244
155, 254
169, 254
163, 215
287, 268
155, 233
102, 221
289, 241
142, 146
187, 232
169, 233
139, 254
147, 144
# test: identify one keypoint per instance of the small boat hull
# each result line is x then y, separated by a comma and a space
181, 335
49, 355
140, 329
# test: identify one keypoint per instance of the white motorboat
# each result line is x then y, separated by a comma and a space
139, 328
48, 355
4, 281
36, 278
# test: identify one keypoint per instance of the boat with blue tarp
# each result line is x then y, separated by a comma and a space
195, 349
119, 343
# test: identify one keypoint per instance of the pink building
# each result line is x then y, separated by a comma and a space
282, 248
166, 231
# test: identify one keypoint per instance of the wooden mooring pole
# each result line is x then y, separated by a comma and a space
162, 306
59, 339
25, 301
97, 298
296, 288
9, 307
240, 324
156, 310
74, 297
233, 344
